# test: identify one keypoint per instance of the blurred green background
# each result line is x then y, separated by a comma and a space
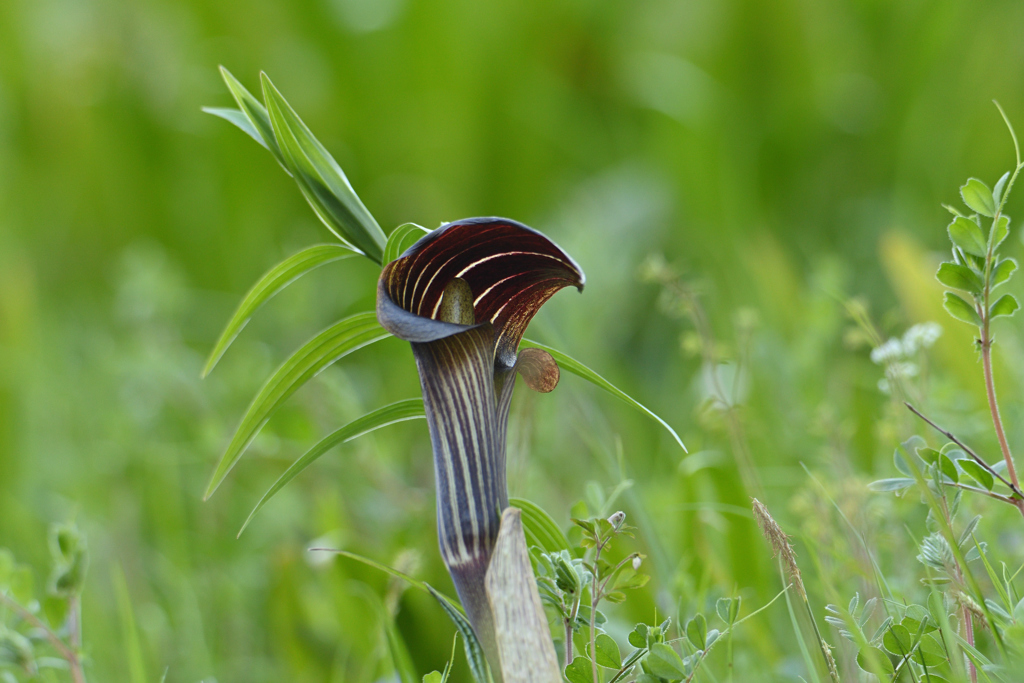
783, 155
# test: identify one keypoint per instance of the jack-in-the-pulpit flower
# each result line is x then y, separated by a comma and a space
463, 296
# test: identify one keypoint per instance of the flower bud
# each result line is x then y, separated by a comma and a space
636, 563
617, 519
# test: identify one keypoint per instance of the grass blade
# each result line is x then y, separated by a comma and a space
397, 240
540, 528
474, 653
321, 179
256, 114
272, 282
132, 646
334, 343
401, 411
577, 368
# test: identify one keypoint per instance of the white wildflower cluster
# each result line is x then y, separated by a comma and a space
897, 354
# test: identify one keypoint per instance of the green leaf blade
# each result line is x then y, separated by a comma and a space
409, 409
966, 234
540, 528
239, 119
320, 177
256, 114
978, 197
960, 309
272, 282
577, 368
398, 238
332, 344
474, 652
956, 276
1003, 272
1006, 305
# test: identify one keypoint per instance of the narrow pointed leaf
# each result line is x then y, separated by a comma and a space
400, 239
256, 113
978, 473
960, 309
1006, 305
540, 528
997, 191
410, 409
977, 196
959, 277
334, 343
1000, 231
272, 282
474, 653
579, 369
415, 583
321, 179
966, 234
399, 651
237, 117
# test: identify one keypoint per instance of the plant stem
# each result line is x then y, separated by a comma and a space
569, 630
993, 406
68, 654
969, 637
594, 598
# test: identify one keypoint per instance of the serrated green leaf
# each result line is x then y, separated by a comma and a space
966, 234
894, 484
272, 282
997, 191
959, 277
256, 114
665, 662
960, 309
540, 528
334, 343
977, 473
607, 652
1003, 271
474, 653
321, 179
409, 409
978, 197
580, 370
400, 239
579, 671
1006, 305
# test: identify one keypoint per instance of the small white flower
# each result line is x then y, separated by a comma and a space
889, 351
904, 369
921, 336
636, 563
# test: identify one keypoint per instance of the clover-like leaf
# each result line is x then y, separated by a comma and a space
607, 652
966, 234
978, 473
663, 661
960, 309
978, 197
957, 276
1003, 271
1005, 305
